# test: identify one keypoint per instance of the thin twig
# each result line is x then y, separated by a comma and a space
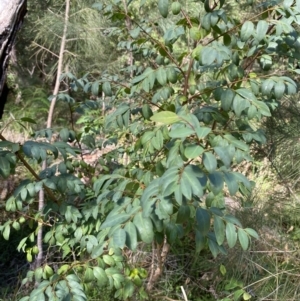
42, 47
184, 294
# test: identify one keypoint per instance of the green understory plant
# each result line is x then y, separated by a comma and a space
183, 110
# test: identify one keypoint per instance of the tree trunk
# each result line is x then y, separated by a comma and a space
12, 13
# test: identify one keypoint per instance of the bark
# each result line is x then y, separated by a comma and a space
12, 13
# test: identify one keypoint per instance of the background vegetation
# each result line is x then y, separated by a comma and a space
170, 170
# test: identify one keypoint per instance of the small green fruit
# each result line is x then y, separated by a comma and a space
22, 220
195, 33
29, 257
176, 8
182, 99
159, 60
35, 250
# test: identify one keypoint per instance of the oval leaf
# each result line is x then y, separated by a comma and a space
144, 227
165, 117
243, 239
209, 161
203, 221
246, 31
231, 235
219, 228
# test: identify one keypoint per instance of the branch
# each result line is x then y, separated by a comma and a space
31, 170
60, 65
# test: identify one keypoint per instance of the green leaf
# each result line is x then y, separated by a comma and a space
246, 31
16, 225
163, 7
251, 232
98, 250
158, 224
141, 77
148, 197
169, 181
22, 244
216, 182
279, 89
193, 151
231, 235
183, 214
119, 238
165, 208
240, 104
192, 176
88, 275
207, 6
106, 88
241, 178
203, 221
4, 167
208, 56
227, 99
262, 108
158, 140
247, 296
252, 112
27, 119
209, 161
205, 22
115, 220
261, 30
267, 86
237, 294
247, 94
109, 260
202, 132
95, 88
134, 33
6, 232
11, 204
243, 239
213, 246
131, 236
222, 269
226, 39
224, 155
200, 241
186, 188
165, 117
181, 132
171, 232
161, 75
172, 73
237, 143
231, 183
147, 112
219, 229
144, 227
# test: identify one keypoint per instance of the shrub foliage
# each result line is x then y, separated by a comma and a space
184, 108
